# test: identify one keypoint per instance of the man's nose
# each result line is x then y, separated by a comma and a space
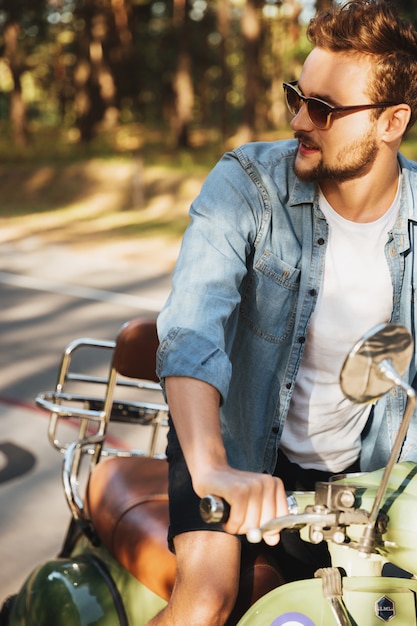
301, 121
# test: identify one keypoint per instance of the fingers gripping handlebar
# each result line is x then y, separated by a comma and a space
216, 510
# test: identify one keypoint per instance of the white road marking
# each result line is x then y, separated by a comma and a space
78, 291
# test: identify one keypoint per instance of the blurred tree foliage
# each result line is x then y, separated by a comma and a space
408, 9
84, 66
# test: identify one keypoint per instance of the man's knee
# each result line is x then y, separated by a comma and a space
207, 578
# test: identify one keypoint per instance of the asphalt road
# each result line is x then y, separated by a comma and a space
50, 295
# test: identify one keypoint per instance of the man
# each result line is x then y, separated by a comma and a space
294, 250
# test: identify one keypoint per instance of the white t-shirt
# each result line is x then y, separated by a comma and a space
323, 428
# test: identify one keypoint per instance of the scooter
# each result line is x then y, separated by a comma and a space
115, 567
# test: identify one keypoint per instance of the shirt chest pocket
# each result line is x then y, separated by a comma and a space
269, 303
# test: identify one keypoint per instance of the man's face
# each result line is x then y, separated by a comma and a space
349, 147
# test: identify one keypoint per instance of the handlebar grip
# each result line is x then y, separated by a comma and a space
214, 510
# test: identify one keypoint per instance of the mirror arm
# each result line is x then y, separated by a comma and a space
385, 367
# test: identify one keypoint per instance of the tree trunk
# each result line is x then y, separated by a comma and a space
184, 92
223, 27
285, 36
182, 84
95, 87
251, 32
17, 106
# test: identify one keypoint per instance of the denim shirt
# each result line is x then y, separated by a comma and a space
245, 286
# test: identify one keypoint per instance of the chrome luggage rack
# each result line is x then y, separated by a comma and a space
93, 401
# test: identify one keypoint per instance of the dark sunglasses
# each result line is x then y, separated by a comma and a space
319, 112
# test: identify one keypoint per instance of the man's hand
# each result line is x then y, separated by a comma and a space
253, 498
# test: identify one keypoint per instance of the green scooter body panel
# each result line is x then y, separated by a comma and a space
63, 591
399, 505
370, 601
80, 591
140, 603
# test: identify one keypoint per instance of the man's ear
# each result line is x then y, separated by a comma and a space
395, 120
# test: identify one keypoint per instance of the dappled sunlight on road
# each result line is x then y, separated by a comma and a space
97, 203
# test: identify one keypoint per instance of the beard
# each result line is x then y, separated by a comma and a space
352, 161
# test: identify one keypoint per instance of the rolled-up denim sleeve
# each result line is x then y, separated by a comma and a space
198, 321
185, 352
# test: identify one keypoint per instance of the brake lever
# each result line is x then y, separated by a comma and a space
286, 522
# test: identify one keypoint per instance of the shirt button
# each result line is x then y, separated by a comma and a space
301, 339
288, 385
313, 292
320, 241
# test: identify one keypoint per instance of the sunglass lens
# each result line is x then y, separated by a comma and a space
318, 113
293, 100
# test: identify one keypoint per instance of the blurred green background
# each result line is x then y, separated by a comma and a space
113, 111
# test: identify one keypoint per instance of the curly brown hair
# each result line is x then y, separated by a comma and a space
374, 28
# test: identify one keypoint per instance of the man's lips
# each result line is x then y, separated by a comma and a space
305, 145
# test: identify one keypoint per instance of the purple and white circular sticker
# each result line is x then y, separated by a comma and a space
292, 619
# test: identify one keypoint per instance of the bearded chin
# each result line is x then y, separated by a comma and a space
313, 175
320, 172
354, 162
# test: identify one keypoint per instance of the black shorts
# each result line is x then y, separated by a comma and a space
184, 509
184, 504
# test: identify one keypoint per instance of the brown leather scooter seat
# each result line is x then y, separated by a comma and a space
127, 501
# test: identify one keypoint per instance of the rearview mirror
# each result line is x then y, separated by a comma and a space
376, 362
373, 367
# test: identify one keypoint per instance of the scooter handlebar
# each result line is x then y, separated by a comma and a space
214, 510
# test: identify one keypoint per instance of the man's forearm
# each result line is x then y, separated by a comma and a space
194, 408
